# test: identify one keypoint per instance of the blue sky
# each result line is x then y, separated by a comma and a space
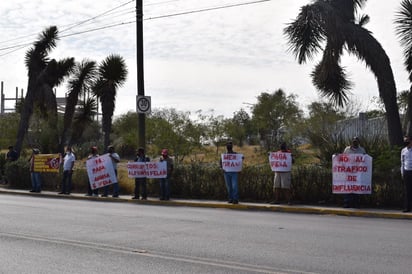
213, 61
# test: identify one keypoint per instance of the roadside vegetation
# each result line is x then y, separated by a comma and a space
195, 140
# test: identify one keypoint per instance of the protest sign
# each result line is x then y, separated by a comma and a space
100, 171
147, 169
352, 173
46, 163
232, 162
280, 161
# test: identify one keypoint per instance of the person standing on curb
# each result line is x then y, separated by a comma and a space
231, 178
140, 183
115, 159
165, 182
68, 164
93, 154
282, 181
35, 176
406, 172
352, 199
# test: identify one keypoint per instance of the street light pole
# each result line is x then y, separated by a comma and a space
140, 74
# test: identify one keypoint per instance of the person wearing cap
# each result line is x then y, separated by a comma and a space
35, 176
165, 182
406, 172
93, 154
140, 183
231, 178
352, 199
68, 164
115, 159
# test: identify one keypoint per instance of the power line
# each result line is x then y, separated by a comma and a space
23, 45
206, 9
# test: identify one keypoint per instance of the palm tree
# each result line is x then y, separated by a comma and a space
83, 118
44, 75
333, 22
112, 75
404, 31
81, 81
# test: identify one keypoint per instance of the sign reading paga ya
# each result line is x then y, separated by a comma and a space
352, 173
100, 171
280, 161
232, 162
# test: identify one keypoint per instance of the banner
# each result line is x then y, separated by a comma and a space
46, 163
352, 173
232, 162
280, 161
100, 171
147, 169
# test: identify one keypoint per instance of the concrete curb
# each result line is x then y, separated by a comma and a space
303, 209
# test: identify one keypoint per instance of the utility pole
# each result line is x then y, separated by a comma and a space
140, 74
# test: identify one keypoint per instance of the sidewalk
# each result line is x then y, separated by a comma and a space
363, 212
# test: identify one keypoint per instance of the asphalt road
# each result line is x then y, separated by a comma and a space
47, 235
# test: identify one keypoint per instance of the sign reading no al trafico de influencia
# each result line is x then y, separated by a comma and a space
143, 104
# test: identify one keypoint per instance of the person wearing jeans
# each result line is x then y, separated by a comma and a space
165, 182
231, 178
68, 164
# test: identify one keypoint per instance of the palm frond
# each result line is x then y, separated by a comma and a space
331, 80
114, 69
306, 33
403, 30
363, 20
37, 56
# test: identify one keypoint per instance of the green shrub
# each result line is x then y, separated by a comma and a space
18, 174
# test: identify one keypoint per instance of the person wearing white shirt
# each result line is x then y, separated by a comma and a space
406, 172
68, 164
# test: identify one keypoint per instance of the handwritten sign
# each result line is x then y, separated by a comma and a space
280, 161
100, 171
352, 173
46, 163
147, 169
232, 162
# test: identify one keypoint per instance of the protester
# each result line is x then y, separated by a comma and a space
282, 181
351, 199
11, 155
93, 154
115, 159
165, 182
231, 178
68, 164
35, 176
406, 172
140, 183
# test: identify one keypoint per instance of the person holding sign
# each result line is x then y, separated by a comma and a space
93, 154
231, 163
355, 148
140, 182
35, 175
281, 163
115, 159
406, 172
68, 164
165, 182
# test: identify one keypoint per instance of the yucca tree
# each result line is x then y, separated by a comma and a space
403, 24
112, 73
80, 82
330, 26
43, 75
83, 118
